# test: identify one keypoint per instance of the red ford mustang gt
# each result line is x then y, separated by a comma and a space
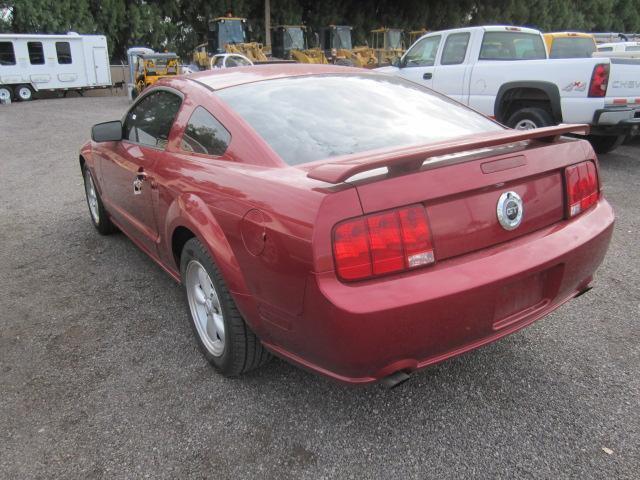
355, 224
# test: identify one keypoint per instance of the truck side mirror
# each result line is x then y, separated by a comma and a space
107, 132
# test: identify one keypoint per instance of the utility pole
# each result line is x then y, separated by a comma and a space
267, 23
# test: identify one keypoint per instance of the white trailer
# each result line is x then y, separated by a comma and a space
34, 62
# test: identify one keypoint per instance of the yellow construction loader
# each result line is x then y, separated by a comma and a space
229, 35
387, 45
150, 67
289, 42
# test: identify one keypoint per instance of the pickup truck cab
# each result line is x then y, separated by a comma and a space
618, 50
505, 72
570, 44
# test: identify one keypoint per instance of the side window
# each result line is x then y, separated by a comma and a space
219, 62
63, 50
455, 49
150, 120
423, 53
605, 49
36, 53
632, 48
204, 134
7, 55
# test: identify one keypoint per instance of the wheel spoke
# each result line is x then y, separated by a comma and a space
219, 323
205, 283
199, 295
211, 328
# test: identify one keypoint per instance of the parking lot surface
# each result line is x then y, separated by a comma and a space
100, 376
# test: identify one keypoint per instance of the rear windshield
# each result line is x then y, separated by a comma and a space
572, 47
512, 46
311, 118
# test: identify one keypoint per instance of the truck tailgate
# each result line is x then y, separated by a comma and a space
624, 79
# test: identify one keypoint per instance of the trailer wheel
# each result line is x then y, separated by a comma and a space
24, 93
5, 93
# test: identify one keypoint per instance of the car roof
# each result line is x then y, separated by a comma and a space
150, 56
569, 34
231, 77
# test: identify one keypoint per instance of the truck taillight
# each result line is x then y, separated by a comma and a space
582, 187
382, 243
599, 80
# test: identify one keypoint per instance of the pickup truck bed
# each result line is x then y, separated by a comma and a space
505, 72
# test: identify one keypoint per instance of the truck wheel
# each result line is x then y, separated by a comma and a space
529, 118
605, 143
223, 336
5, 93
99, 216
24, 93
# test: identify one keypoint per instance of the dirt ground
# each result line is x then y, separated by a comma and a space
100, 376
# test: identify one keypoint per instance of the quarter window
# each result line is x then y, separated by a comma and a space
150, 120
36, 53
204, 134
455, 49
7, 55
423, 53
63, 50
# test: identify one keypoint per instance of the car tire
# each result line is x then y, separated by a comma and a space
97, 212
223, 336
24, 93
529, 118
5, 93
605, 143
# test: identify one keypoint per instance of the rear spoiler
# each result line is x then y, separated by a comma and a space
411, 158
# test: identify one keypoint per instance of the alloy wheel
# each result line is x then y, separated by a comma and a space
205, 308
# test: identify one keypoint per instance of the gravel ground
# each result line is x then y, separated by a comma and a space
101, 378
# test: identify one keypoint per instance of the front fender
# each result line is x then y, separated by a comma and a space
191, 212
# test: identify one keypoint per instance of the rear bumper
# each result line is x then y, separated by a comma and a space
616, 121
362, 332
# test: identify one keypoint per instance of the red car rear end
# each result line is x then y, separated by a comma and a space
484, 282
359, 225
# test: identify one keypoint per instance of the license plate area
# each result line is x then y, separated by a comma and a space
520, 298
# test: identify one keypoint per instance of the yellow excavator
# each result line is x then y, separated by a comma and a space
289, 42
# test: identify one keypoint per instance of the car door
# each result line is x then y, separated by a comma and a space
418, 64
128, 174
452, 74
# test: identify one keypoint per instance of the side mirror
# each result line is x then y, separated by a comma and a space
107, 132
397, 62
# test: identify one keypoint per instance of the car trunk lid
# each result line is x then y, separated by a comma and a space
461, 191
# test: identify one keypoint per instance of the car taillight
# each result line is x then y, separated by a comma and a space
582, 187
599, 80
382, 243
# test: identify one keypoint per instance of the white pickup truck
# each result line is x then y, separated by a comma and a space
505, 72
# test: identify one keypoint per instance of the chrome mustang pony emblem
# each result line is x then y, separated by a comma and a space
510, 210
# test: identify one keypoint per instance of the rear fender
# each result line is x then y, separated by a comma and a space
191, 212
548, 89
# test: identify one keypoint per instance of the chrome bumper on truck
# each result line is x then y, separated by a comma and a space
616, 121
